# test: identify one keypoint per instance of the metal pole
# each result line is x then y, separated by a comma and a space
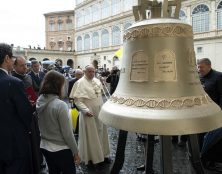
149, 154
166, 166
195, 154
120, 152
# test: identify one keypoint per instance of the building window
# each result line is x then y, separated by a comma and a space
219, 16
95, 40
86, 42
199, 50
200, 19
116, 7
182, 16
88, 17
127, 25
69, 23
60, 44
59, 26
95, 13
78, 15
79, 43
79, 19
116, 35
104, 38
69, 19
51, 19
128, 5
105, 9
52, 44
52, 27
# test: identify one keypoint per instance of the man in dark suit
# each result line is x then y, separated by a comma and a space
20, 71
36, 75
113, 79
15, 119
211, 81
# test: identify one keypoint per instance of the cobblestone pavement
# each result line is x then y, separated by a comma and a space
134, 157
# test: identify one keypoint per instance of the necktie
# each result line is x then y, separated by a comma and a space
37, 79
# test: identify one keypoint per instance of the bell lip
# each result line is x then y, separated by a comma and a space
168, 126
158, 21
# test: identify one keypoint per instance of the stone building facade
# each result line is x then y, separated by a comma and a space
59, 29
99, 27
206, 18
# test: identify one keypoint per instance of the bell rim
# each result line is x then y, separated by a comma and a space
165, 125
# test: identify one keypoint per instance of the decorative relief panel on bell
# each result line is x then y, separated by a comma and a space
161, 103
158, 30
165, 66
139, 67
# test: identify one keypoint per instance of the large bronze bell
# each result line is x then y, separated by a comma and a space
159, 91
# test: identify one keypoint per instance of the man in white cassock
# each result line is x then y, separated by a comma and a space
93, 136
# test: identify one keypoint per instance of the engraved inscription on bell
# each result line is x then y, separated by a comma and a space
139, 67
165, 66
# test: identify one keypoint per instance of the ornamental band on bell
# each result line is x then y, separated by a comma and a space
160, 30
162, 103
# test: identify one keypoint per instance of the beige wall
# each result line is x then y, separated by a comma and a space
60, 39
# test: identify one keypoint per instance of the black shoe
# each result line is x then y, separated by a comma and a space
141, 168
100, 166
107, 160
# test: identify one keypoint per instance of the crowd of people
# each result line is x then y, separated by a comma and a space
35, 120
